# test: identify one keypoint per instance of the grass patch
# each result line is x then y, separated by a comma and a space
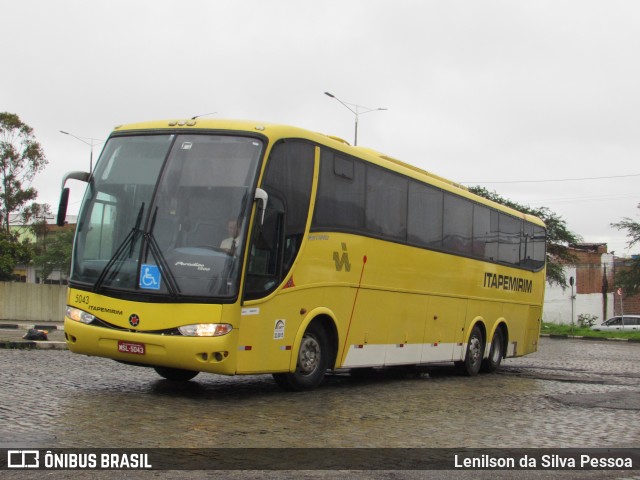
555, 329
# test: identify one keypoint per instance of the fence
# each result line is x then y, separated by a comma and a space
32, 302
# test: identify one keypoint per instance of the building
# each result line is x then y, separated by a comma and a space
592, 289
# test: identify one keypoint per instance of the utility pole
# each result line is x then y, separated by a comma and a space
573, 299
359, 110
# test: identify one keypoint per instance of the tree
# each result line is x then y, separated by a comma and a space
559, 237
21, 157
12, 253
53, 252
629, 278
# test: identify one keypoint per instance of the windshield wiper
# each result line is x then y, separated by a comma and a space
156, 253
129, 242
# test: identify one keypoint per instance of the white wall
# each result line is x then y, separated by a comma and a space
557, 303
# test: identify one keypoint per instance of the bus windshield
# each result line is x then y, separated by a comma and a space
167, 214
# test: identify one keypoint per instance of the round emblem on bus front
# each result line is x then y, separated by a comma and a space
134, 320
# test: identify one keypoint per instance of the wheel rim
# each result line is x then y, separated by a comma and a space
474, 349
309, 357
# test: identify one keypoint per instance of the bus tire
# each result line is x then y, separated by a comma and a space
175, 374
496, 352
475, 350
312, 363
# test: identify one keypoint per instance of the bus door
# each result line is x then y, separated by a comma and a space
270, 316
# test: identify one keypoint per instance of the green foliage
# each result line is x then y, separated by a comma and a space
633, 230
587, 320
559, 237
571, 330
53, 252
12, 253
21, 157
629, 278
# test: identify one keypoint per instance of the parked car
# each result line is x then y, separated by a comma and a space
621, 323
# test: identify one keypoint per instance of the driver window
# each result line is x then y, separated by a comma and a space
265, 258
288, 179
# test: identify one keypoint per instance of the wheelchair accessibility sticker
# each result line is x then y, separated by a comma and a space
150, 277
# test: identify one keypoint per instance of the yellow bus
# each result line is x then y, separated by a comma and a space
234, 247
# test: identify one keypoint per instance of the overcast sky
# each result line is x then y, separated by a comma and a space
497, 92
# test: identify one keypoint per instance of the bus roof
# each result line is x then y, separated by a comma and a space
277, 131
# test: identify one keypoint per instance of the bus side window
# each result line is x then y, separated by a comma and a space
101, 232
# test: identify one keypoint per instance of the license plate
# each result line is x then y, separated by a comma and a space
131, 347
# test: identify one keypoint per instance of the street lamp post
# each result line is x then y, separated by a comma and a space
91, 144
357, 112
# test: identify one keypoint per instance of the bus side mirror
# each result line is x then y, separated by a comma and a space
62, 207
64, 197
263, 198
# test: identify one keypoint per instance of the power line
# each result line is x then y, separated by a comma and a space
557, 179
582, 198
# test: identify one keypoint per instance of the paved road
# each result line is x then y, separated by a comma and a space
571, 393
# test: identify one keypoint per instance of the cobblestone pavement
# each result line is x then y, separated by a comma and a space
572, 393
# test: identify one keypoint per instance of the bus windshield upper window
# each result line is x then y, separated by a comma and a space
166, 203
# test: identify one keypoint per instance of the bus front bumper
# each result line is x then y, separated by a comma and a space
202, 354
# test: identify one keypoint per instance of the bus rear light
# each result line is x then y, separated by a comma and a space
205, 330
79, 315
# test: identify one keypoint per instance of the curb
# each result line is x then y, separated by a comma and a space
27, 325
32, 345
19, 344
577, 337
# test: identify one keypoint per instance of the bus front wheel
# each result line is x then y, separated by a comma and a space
475, 350
313, 360
176, 374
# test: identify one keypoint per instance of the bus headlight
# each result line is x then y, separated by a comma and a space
79, 315
205, 330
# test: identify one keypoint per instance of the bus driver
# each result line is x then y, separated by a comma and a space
230, 244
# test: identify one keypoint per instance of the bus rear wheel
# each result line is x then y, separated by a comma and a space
313, 360
492, 363
176, 374
475, 350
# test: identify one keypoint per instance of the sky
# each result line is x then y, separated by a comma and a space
536, 100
